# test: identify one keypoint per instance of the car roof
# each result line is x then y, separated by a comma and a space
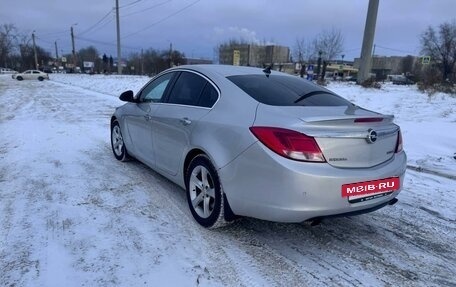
226, 70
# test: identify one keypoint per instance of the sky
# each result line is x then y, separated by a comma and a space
196, 27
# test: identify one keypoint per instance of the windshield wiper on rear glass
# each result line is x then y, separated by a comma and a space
303, 97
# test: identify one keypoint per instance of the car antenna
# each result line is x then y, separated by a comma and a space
267, 70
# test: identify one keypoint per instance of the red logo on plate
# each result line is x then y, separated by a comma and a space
374, 186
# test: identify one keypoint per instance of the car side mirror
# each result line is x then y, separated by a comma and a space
127, 96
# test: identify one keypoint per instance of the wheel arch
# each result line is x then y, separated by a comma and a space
188, 158
113, 119
228, 212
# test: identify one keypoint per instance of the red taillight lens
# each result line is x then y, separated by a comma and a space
399, 142
289, 144
368, 120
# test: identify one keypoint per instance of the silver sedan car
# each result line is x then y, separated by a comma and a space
259, 143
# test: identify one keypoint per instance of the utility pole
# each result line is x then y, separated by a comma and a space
142, 62
34, 50
56, 51
119, 54
368, 41
73, 50
170, 54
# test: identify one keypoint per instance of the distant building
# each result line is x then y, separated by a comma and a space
340, 71
253, 55
383, 66
277, 54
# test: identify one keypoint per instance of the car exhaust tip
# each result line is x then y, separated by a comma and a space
393, 201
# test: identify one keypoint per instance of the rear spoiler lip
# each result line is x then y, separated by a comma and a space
325, 119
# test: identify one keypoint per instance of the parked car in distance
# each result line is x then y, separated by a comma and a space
351, 78
244, 141
401, 80
46, 69
7, 71
31, 75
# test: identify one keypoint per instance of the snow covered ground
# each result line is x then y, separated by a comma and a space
71, 215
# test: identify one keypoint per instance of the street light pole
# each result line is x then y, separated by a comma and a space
34, 50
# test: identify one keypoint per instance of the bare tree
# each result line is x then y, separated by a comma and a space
154, 61
89, 54
8, 34
441, 46
25, 52
16, 50
303, 50
330, 43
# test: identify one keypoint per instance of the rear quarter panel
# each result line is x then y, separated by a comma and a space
224, 132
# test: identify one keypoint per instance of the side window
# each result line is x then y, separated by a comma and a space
156, 89
208, 97
36, 72
187, 89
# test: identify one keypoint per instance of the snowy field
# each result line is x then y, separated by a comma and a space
71, 215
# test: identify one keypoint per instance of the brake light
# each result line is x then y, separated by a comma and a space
289, 144
399, 146
368, 120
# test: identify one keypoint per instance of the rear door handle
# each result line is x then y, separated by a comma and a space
147, 117
185, 121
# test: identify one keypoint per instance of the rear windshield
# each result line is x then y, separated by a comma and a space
277, 90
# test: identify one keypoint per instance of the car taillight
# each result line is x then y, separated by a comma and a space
399, 142
368, 120
289, 144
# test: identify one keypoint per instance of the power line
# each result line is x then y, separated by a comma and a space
95, 41
103, 25
146, 9
130, 4
54, 33
163, 19
351, 50
45, 41
94, 25
395, 50
105, 43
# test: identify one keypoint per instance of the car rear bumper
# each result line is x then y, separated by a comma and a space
264, 185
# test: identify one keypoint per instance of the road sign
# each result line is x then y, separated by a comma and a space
236, 58
426, 60
310, 72
88, 64
64, 59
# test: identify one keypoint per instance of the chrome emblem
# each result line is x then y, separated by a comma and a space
371, 136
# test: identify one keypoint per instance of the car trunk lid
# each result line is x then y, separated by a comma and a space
349, 137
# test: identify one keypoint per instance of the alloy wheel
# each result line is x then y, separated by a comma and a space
202, 191
117, 140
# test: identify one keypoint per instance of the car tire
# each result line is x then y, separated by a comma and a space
40, 79
19, 78
204, 193
117, 143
